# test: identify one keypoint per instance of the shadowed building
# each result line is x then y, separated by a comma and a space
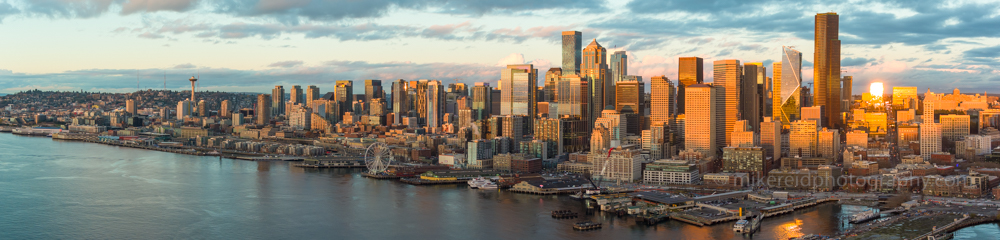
826, 70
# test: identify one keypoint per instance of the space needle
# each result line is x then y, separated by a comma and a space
192, 87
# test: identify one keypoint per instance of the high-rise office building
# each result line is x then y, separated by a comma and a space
954, 127
551, 87
848, 81
344, 96
482, 100
699, 124
572, 45
660, 92
903, 96
594, 68
828, 143
619, 66
202, 108
814, 113
373, 90
226, 109
770, 138
278, 101
930, 139
130, 106
750, 96
263, 110
517, 86
400, 102
787, 83
629, 94
184, 109
826, 69
729, 75
435, 100
295, 94
689, 71
312, 93
573, 97
802, 139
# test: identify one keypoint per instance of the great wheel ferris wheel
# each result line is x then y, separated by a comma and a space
378, 158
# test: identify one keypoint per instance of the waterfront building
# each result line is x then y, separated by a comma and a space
278, 101
624, 164
786, 86
826, 69
750, 160
661, 93
670, 172
517, 84
802, 139
478, 150
690, 71
572, 47
700, 130
263, 111
930, 139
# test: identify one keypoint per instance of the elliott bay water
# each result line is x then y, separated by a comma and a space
72, 190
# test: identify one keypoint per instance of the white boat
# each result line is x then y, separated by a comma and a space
478, 182
741, 226
863, 216
488, 185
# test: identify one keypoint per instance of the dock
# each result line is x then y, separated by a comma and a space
380, 176
418, 181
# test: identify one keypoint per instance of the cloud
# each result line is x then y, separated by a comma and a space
185, 66
855, 61
134, 6
513, 58
982, 55
285, 64
150, 35
6, 10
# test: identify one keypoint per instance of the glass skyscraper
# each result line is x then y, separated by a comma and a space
572, 46
787, 86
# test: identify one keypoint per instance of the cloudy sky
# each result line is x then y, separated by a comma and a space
234, 45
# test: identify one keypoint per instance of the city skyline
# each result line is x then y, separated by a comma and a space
256, 48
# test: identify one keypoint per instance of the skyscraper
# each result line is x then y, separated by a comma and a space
699, 126
295, 95
184, 109
517, 85
619, 66
802, 139
629, 94
400, 102
263, 110
750, 97
689, 71
226, 109
435, 100
826, 72
573, 97
278, 103
343, 95
729, 76
551, 85
571, 52
770, 138
595, 69
312, 93
930, 139
660, 92
482, 100
787, 86
373, 90
130, 106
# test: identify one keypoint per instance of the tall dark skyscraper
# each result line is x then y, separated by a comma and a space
482, 100
690, 71
572, 47
400, 102
373, 90
750, 95
826, 72
551, 85
277, 101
